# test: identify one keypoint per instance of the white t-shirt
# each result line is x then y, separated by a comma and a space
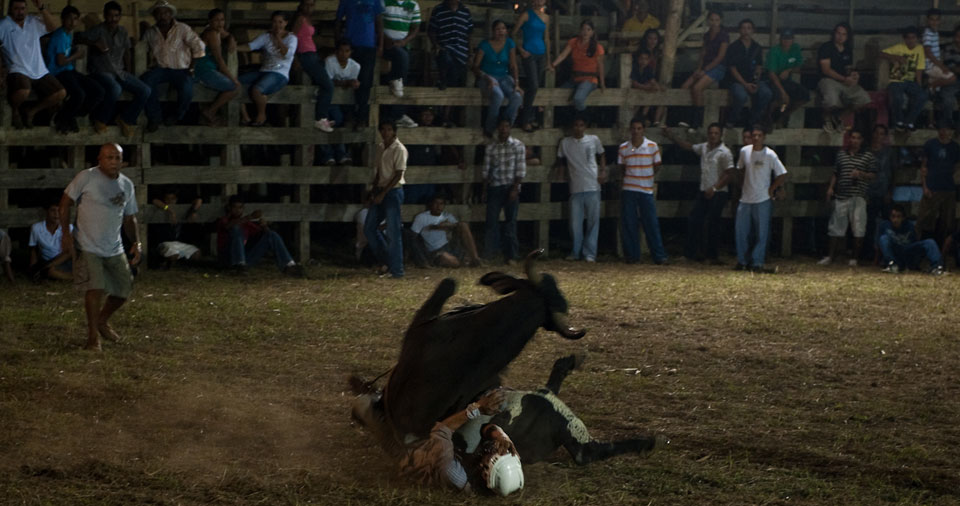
759, 167
581, 155
21, 46
712, 164
435, 239
338, 73
102, 203
49, 243
272, 61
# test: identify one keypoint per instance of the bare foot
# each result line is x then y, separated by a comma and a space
93, 345
210, 118
108, 333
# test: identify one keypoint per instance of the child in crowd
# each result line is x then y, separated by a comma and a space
644, 78
344, 72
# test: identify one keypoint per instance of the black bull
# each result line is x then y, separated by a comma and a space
448, 360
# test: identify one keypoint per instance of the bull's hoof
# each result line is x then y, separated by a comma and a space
447, 288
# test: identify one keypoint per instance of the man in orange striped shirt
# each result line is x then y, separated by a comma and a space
639, 161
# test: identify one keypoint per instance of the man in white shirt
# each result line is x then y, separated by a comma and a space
106, 203
23, 62
758, 163
433, 227
174, 48
581, 154
47, 257
387, 194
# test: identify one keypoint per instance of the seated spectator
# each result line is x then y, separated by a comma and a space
170, 245
938, 205
906, 80
433, 228
641, 20
948, 94
588, 71
211, 70
856, 168
711, 68
173, 47
401, 24
423, 154
449, 30
839, 81
783, 60
583, 156
902, 249
534, 27
495, 66
302, 27
278, 47
361, 22
47, 258
938, 74
643, 78
5, 249
109, 57
23, 63
84, 94
242, 240
343, 72
745, 64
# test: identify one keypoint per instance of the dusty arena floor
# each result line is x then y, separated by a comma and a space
812, 386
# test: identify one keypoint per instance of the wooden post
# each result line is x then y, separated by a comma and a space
670, 41
850, 14
773, 23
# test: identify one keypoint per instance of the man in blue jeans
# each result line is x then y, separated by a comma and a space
901, 247
242, 240
745, 61
387, 196
174, 47
361, 22
758, 164
639, 161
583, 155
109, 56
504, 167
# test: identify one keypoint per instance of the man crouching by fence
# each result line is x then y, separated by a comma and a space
105, 204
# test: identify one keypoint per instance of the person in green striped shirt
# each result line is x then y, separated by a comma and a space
401, 23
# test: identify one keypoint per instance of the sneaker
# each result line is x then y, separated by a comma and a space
825, 261
740, 267
937, 271
330, 161
852, 262
899, 126
323, 125
406, 122
590, 260
683, 124
891, 268
396, 87
760, 269
345, 160
911, 127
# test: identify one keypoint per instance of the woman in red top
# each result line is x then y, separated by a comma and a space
587, 56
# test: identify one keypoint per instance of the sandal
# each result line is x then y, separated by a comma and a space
528, 128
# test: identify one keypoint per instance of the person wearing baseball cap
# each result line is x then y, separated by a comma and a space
783, 60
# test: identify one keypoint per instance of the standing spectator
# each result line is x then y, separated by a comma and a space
433, 228
109, 57
243, 239
639, 160
906, 80
880, 192
534, 25
939, 203
83, 93
5, 249
710, 69
449, 32
745, 64
211, 70
839, 81
47, 258
504, 167
278, 47
495, 66
401, 24
856, 167
581, 153
902, 248
23, 63
588, 71
302, 27
643, 78
641, 20
948, 94
758, 164
106, 203
387, 193
938, 75
344, 72
174, 46
782, 61
716, 167
361, 22
170, 238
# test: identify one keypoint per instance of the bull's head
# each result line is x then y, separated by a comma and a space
545, 286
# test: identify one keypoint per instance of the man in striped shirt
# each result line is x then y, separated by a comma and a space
449, 31
856, 167
401, 23
504, 167
639, 161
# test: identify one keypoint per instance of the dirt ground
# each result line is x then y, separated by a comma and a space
813, 386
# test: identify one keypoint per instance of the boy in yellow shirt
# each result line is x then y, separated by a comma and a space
907, 62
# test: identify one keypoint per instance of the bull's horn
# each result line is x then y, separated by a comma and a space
529, 266
564, 329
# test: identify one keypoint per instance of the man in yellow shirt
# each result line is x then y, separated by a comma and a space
641, 20
907, 62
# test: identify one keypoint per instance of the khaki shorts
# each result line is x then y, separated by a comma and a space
836, 94
852, 212
110, 274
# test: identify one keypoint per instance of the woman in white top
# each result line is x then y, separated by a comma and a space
278, 47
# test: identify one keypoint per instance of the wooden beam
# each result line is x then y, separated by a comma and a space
671, 30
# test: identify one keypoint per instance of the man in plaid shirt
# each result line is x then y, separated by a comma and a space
504, 166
